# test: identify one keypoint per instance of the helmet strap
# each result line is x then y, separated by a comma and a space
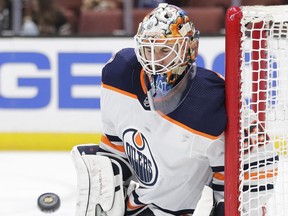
179, 70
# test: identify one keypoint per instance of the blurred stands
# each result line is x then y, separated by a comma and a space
210, 3
207, 15
5, 15
100, 22
43, 18
209, 20
71, 9
263, 2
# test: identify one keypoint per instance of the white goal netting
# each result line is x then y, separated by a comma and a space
264, 88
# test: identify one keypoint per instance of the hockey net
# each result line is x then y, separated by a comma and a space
256, 79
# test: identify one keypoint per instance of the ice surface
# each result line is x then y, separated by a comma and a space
24, 176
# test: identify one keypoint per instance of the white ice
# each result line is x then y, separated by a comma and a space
24, 176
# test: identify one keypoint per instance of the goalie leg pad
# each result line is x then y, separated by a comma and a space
99, 184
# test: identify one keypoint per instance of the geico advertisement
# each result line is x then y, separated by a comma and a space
53, 84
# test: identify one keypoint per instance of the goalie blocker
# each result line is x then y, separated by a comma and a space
100, 189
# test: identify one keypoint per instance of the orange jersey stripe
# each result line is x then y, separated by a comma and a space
190, 129
106, 141
132, 207
261, 175
251, 176
164, 116
119, 91
218, 176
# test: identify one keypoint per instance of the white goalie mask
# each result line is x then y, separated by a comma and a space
168, 29
166, 47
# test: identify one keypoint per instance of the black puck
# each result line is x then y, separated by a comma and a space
48, 202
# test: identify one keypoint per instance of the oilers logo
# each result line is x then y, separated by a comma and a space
140, 157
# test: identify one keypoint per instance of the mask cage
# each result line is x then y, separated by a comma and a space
150, 64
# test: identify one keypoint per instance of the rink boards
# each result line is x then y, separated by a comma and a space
50, 88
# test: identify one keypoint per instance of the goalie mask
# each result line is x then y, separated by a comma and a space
166, 47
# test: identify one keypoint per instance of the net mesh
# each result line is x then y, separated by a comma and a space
264, 89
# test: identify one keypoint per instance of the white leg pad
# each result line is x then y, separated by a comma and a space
96, 186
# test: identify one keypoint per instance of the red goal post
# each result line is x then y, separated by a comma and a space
256, 169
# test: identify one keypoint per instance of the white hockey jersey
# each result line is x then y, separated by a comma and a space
172, 156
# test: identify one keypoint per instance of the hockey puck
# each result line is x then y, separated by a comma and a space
48, 202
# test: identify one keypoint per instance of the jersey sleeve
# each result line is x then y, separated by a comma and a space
215, 154
111, 144
260, 164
